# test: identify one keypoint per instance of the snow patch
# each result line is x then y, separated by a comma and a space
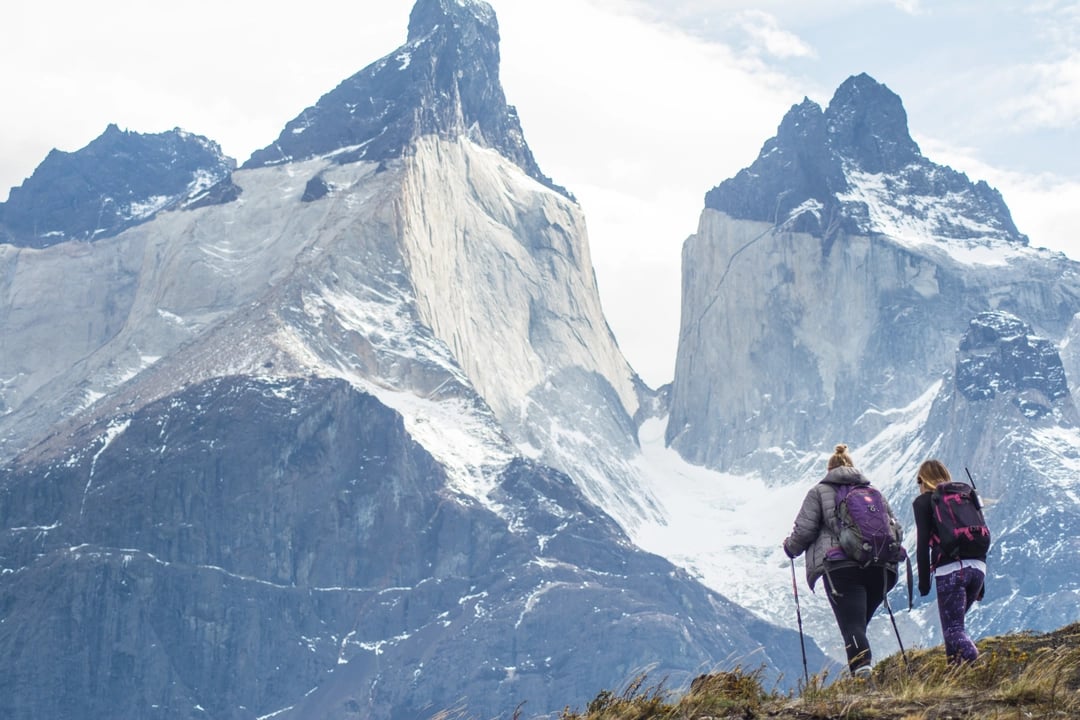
739, 553
149, 207
812, 206
461, 435
115, 430
203, 180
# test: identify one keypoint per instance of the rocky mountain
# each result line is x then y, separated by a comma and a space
853, 168
346, 440
844, 288
444, 81
119, 180
852, 246
253, 547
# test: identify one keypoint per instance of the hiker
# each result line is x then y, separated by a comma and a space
855, 590
960, 576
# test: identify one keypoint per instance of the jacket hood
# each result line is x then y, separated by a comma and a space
845, 476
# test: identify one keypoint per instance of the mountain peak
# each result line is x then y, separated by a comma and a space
802, 124
443, 81
120, 179
867, 125
853, 168
428, 15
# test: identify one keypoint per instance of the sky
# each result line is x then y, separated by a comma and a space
638, 107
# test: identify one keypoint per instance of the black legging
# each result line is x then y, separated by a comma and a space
861, 591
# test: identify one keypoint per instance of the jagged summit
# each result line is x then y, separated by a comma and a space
1000, 353
444, 81
854, 168
120, 179
428, 15
866, 125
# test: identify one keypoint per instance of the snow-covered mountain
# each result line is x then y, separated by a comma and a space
332, 434
844, 288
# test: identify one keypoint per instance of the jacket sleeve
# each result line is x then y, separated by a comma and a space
923, 527
807, 524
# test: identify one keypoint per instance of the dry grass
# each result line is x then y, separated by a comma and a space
1017, 676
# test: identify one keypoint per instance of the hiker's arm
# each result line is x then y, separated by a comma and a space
921, 510
807, 525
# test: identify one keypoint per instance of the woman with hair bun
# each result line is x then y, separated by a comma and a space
855, 590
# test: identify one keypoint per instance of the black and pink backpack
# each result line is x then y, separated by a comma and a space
960, 530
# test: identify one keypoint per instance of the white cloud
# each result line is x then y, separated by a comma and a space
909, 6
1046, 87
1046, 207
1052, 99
767, 36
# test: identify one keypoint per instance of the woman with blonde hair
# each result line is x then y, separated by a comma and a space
960, 580
855, 590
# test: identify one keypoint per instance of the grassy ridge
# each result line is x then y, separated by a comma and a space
1023, 675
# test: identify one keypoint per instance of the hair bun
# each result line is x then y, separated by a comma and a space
840, 449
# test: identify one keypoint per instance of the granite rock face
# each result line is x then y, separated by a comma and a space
999, 354
1070, 357
838, 274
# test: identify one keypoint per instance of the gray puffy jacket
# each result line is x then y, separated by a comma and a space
817, 528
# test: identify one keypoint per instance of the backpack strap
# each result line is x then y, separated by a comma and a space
840, 493
832, 586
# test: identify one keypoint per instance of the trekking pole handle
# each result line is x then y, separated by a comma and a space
969, 477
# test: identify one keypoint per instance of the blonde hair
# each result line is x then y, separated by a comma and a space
933, 473
840, 458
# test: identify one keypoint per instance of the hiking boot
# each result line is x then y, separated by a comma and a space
863, 673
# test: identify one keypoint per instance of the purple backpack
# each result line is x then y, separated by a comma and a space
867, 532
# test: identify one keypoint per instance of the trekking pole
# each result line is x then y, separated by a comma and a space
974, 490
893, 619
798, 616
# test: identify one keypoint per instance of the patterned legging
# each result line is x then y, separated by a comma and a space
956, 592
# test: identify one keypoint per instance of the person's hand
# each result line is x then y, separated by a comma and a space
786, 551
